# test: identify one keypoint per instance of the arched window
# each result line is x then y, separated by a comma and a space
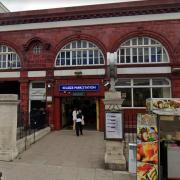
8, 58
37, 49
79, 53
141, 50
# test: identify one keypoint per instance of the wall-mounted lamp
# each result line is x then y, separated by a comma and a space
49, 85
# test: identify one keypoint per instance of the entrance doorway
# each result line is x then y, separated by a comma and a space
88, 107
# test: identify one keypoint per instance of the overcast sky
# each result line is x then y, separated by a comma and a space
21, 5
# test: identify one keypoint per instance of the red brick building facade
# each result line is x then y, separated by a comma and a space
42, 51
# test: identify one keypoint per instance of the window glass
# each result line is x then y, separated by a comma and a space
68, 54
38, 85
123, 82
37, 49
62, 61
128, 100
90, 57
160, 82
134, 41
140, 54
67, 46
78, 44
101, 59
140, 41
4, 48
84, 44
153, 41
127, 43
135, 58
161, 92
128, 59
122, 60
84, 57
63, 55
146, 54
118, 57
58, 60
67, 61
140, 96
146, 41
79, 57
74, 44
141, 82
165, 57
91, 45
73, 57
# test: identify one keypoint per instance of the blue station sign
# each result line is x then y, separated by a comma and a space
79, 87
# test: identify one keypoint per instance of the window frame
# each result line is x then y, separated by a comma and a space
9, 58
128, 45
150, 86
86, 48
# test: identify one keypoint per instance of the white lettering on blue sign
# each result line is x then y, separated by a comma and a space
79, 87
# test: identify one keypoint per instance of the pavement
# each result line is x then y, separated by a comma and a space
61, 155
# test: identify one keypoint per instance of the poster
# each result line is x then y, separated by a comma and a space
114, 128
147, 147
164, 106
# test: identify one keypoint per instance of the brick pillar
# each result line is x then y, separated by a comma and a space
57, 113
24, 100
50, 98
176, 88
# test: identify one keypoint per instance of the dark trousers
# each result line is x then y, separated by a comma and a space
78, 128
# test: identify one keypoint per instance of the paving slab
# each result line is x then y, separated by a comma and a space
63, 156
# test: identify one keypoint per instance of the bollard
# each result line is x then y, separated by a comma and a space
0, 175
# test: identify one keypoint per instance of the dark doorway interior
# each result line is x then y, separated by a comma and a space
88, 107
10, 87
38, 114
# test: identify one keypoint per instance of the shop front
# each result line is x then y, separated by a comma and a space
158, 149
81, 95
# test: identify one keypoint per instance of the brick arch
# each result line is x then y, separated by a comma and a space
36, 40
89, 38
14, 47
163, 40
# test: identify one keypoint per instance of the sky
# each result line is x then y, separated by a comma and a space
23, 5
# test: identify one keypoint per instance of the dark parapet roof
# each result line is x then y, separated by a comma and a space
91, 11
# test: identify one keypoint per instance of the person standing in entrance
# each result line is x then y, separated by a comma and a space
74, 115
79, 123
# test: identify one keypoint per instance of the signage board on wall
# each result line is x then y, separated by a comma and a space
114, 125
78, 93
79, 87
37, 94
147, 147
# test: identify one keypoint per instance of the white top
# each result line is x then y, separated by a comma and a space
74, 115
78, 120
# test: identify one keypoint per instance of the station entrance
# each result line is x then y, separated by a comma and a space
89, 107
